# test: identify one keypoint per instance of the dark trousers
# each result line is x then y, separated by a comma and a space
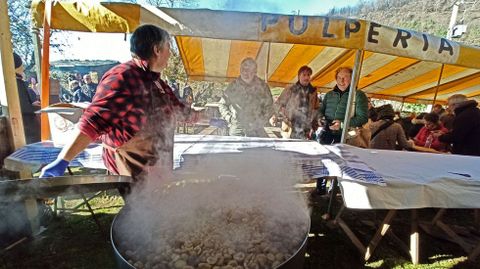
328, 137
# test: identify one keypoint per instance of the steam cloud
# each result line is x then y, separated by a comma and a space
207, 193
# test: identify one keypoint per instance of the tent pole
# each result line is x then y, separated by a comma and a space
8, 88
268, 62
403, 103
351, 93
438, 86
45, 72
37, 53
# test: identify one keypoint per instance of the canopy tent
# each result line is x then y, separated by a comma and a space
398, 64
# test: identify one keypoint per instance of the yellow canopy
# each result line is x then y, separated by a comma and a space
398, 64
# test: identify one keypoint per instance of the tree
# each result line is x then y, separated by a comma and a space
21, 29
19, 14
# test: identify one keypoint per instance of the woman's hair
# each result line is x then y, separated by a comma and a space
385, 112
432, 117
145, 38
421, 116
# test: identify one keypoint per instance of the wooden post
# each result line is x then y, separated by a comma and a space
45, 78
37, 54
414, 238
9, 88
267, 63
381, 232
476, 218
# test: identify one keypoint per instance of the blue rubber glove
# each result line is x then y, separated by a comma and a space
54, 169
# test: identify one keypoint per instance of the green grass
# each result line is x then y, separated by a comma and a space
74, 241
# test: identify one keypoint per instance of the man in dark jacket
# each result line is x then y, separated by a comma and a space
335, 105
31, 123
465, 135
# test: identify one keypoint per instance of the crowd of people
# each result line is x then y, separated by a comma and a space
119, 115
80, 89
247, 104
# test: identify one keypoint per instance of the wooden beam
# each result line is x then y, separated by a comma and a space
475, 252
45, 92
37, 53
414, 238
209, 130
454, 236
9, 89
351, 235
381, 232
438, 85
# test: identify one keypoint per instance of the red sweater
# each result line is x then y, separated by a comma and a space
119, 108
423, 135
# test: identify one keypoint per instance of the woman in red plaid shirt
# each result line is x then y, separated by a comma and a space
133, 112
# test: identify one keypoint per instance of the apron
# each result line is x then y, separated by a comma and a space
150, 149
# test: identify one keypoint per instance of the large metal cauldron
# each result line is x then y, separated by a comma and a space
296, 261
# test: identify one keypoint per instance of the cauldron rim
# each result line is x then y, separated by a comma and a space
126, 264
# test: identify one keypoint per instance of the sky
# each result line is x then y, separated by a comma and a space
97, 46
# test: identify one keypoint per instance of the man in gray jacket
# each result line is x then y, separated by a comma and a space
246, 104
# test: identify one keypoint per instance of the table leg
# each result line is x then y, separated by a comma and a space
437, 220
31, 207
414, 238
93, 215
476, 218
454, 236
438, 216
351, 234
473, 255
382, 230
333, 195
55, 206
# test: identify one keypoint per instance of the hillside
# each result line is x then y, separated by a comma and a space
430, 16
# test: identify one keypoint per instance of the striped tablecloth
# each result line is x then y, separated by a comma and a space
309, 157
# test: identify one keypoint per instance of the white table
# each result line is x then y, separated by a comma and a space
413, 181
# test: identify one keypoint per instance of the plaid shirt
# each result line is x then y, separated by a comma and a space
121, 104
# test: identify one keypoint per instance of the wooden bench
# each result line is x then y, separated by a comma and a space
209, 130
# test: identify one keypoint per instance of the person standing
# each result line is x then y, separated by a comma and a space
299, 105
31, 123
246, 104
89, 88
134, 113
465, 133
335, 105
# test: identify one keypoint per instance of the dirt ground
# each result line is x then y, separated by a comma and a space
75, 241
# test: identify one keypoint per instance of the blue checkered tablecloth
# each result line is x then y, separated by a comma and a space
42, 153
314, 160
309, 157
